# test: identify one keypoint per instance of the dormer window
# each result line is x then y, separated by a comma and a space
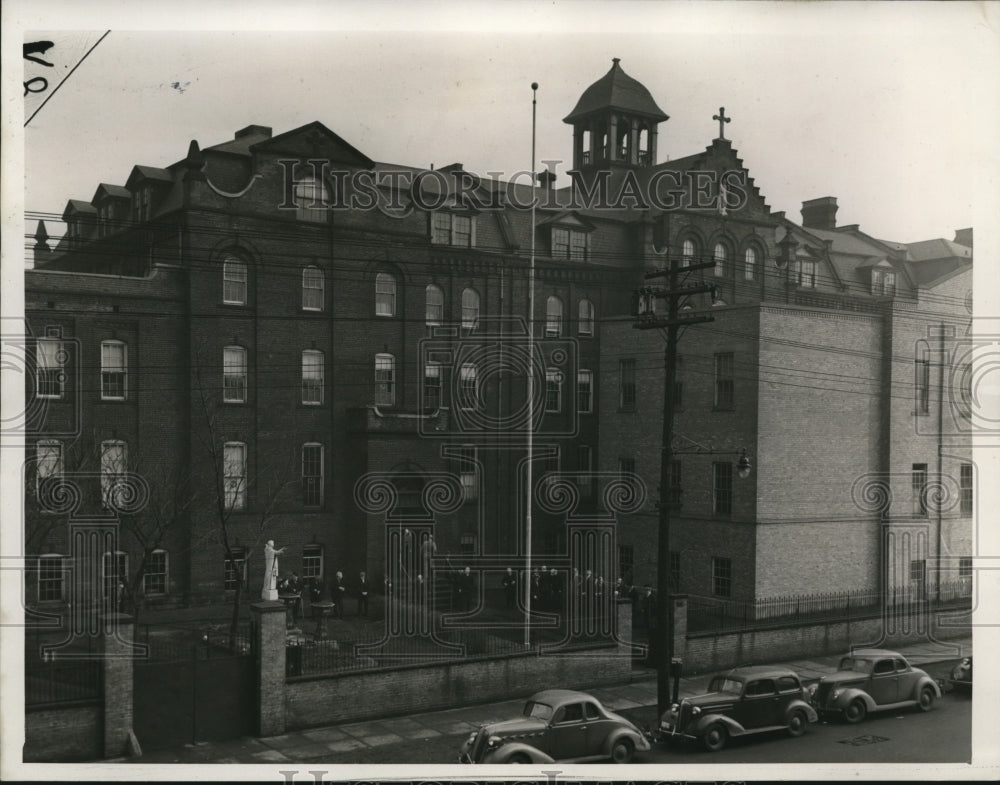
105, 214
455, 229
570, 244
141, 200
806, 273
883, 282
311, 199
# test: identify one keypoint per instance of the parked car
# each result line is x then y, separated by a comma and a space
742, 702
961, 675
870, 680
556, 725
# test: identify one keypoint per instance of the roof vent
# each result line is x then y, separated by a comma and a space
254, 130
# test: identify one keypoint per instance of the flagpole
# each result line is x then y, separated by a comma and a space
531, 377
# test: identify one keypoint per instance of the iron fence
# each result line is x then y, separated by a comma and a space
200, 639
61, 682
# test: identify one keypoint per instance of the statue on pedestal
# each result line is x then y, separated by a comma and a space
270, 590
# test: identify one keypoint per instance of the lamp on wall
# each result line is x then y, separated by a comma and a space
743, 464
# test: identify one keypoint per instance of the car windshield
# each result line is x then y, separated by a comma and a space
723, 684
540, 711
855, 664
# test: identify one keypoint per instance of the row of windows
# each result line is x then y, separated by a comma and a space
922, 490
724, 384
51, 359
113, 469
114, 575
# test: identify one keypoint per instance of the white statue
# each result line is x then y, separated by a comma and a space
270, 590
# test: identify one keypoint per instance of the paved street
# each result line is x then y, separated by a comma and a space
434, 737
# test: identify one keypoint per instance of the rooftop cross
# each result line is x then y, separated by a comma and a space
721, 117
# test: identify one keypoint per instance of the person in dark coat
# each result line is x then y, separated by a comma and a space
536, 590
509, 583
464, 588
338, 592
556, 591
362, 590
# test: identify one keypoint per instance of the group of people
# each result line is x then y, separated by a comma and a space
335, 592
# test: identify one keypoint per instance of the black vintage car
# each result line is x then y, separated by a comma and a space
742, 702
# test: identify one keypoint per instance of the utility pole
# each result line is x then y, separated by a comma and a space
647, 319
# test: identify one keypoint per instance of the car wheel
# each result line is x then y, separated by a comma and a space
714, 737
622, 751
925, 702
856, 711
519, 757
797, 723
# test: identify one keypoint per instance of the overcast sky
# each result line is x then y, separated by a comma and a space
892, 109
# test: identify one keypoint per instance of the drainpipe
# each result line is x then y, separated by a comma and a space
940, 457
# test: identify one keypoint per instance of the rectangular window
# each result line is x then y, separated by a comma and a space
553, 390
468, 386
432, 386
312, 561
441, 227
560, 243
468, 473
48, 464
311, 200
234, 374
674, 484
50, 578
724, 380
578, 246
234, 473
807, 273
919, 484
113, 371
585, 467
467, 545
965, 486
114, 455
312, 377
675, 571
385, 380
918, 579
569, 244
114, 569
312, 289
626, 385
722, 488
385, 295
965, 567
235, 569
626, 559
584, 391
50, 375
154, 577
722, 577
312, 475
461, 231
922, 383
234, 282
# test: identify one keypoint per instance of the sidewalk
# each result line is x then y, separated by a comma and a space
305, 745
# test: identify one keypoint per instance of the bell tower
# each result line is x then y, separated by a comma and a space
614, 124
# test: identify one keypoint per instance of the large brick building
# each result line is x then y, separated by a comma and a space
277, 337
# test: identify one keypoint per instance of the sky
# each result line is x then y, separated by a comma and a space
895, 111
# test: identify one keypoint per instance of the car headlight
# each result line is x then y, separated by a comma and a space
472, 738
696, 711
494, 741
812, 689
674, 707
835, 694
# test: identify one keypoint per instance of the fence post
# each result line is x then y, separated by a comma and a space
116, 659
269, 665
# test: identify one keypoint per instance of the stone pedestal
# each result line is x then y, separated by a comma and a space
270, 632
117, 653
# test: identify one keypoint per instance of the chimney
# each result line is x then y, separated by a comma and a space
546, 178
41, 249
964, 237
820, 213
254, 130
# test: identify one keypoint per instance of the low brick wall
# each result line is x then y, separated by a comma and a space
63, 734
312, 701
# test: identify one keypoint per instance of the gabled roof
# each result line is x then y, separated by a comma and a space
79, 206
568, 218
115, 191
313, 139
616, 90
140, 173
937, 249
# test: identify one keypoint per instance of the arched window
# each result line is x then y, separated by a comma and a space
750, 264
234, 281
585, 317
312, 377
435, 305
720, 260
468, 390
312, 289
385, 380
553, 317
687, 253
385, 295
470, 308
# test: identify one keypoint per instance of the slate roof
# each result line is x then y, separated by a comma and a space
938, 248
616, 90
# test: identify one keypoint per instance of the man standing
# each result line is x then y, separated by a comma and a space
338, 591
509, 583
363, 589
466, 586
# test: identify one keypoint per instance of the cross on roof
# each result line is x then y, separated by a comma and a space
721, 117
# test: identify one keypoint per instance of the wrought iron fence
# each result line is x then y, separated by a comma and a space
200, 639
61, 682
718, 615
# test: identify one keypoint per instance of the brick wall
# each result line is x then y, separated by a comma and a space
65, 734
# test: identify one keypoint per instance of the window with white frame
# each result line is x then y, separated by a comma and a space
553, 317
435, 305
883, 282
918, 482
553, 390
806, 273
50, 373
584, 391
385, 380
234, 281
312, 474
687, 252
719, 256
570, 244
470, 308
235, 569
385, 295
234, 374
313, 283
234, 475
312, 561
432, 385
114, 461
114, 571
312, 377
156, 572
468, 472
468, 386
48, 466
453, 229
585, 317
51, 577
750, 264
311, 200
922, 382
965, 488
113, 371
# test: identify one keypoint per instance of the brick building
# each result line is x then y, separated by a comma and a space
276, 337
